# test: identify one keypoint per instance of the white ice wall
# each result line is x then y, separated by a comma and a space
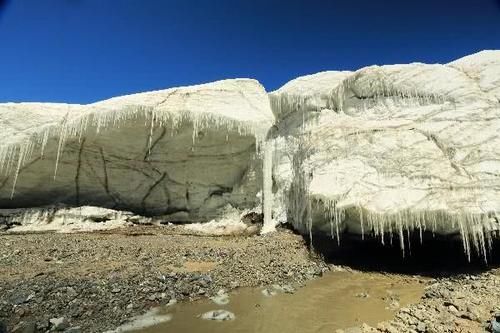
394, 148
183, 152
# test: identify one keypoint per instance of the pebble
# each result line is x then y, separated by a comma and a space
218, 315
286, 288
421, 327
393, 305
268, 292
222, 298
25, 327
58, 324
71, 292
172, 302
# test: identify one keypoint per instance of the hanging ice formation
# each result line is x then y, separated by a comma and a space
397, 149
384, 151
231, 109
267, 187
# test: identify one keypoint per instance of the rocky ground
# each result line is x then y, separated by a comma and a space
463, 303
91, 282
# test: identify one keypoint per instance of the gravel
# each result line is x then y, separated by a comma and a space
92, 282
462, 303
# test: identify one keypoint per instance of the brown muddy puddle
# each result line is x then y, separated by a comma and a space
337, 300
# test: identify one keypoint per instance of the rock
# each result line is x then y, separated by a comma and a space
19, 298
172, 302
421, 327
394, 305
29, 328
145, 320
71, 292
205, 281
24, 327
453, 309
286, 288
362, 295
356, 329
227, 224
30, 297
43, 325
495, 325
268, 292
222, 298
366, 328
75, 329
253, 218
58, 324
218, 315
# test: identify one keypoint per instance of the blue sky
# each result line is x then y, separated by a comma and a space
82, 51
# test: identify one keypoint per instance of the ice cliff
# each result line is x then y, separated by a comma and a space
182, 152
384, 150
392, 149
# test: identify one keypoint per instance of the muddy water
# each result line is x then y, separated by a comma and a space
337, 300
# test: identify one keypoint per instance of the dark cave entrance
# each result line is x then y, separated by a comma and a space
435, 256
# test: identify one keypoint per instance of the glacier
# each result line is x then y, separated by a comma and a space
383, 151
181, 153
389, 150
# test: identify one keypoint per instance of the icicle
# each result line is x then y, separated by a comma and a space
309, 222
20, 159
267, 188
360, 209
399, 223
60, 149
151, 131
44, 142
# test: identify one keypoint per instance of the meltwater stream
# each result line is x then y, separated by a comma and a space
338, 300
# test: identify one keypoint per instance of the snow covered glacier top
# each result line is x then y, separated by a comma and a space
242, 101
475, 77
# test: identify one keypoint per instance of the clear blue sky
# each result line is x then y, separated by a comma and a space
82, 51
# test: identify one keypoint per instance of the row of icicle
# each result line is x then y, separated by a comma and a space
476, 230
473, 228
285, 103
14, 156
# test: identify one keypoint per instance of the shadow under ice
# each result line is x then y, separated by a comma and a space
434, 256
